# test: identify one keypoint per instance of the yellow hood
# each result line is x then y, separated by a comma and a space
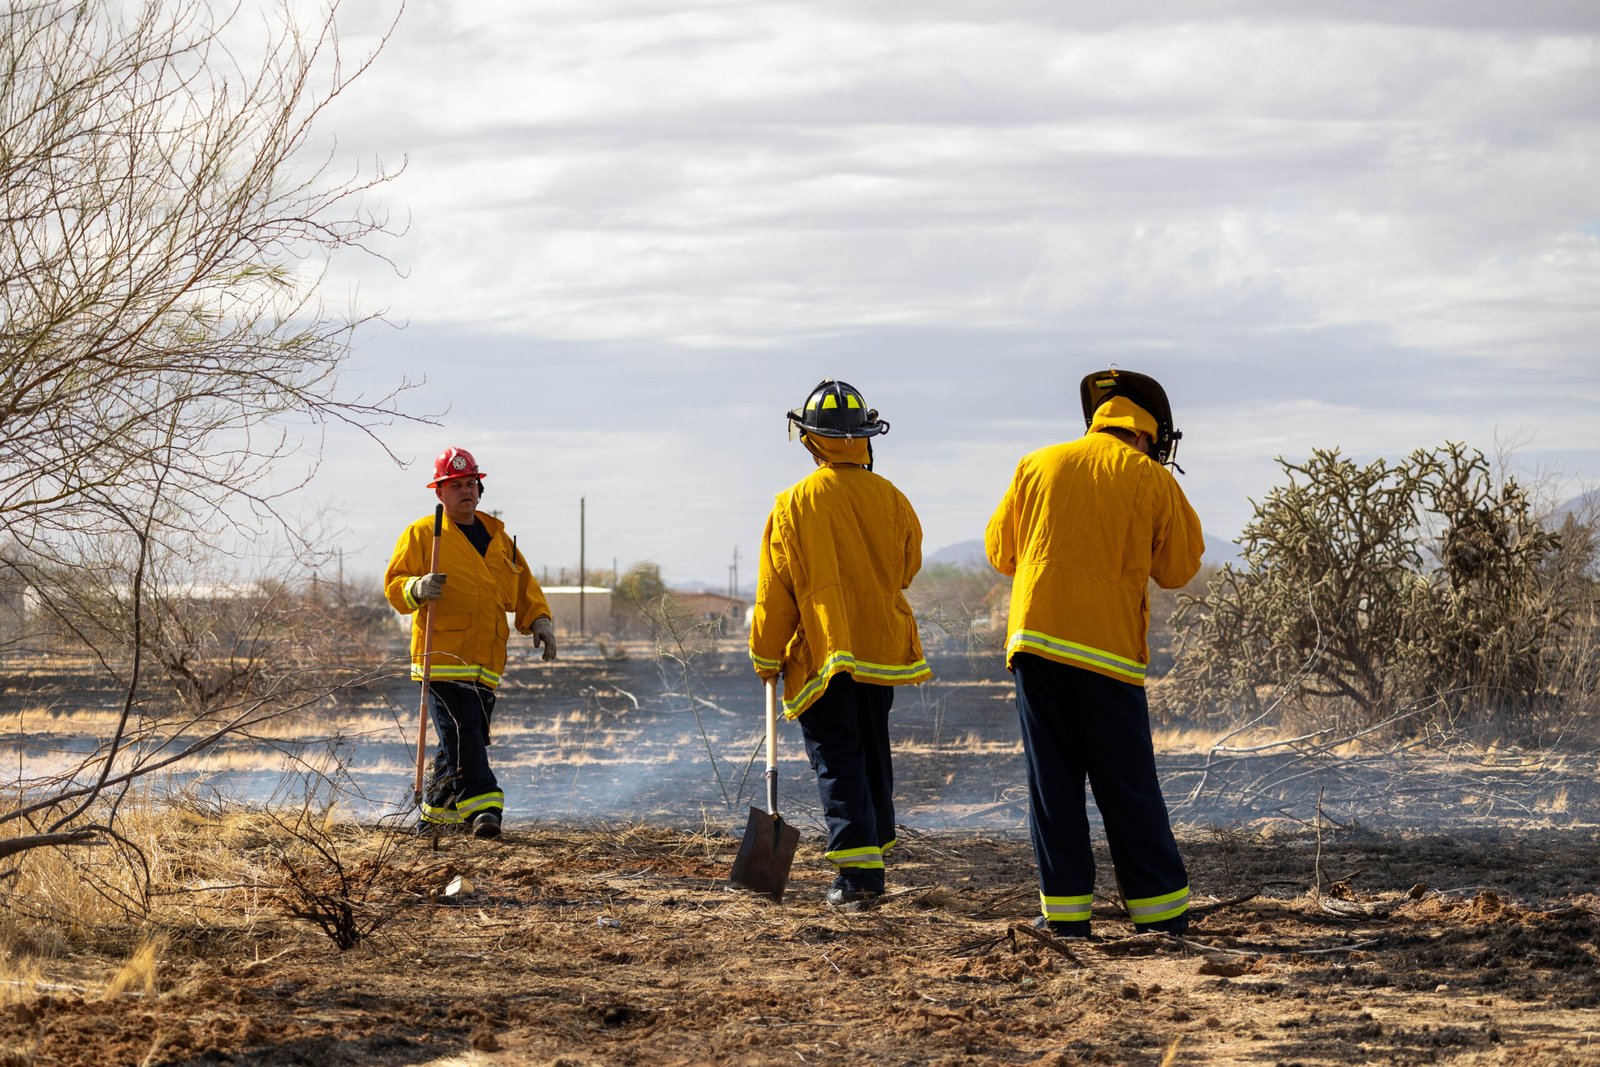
1123, 413
833, 450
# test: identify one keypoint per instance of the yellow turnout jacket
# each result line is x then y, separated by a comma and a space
839, 548
469, 623
1082, 529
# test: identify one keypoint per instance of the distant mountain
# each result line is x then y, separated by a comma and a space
1219, 552
1582, 508
968, 555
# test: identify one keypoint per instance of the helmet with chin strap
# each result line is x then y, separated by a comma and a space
837, 409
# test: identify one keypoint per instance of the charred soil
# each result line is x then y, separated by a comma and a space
622, 943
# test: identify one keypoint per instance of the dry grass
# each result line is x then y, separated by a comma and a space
1193, 739
138, 974
178, 866
1556, 804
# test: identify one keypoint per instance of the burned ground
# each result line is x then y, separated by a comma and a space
620, 943
1389, 907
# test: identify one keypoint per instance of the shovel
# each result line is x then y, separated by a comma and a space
427, 656
767, 850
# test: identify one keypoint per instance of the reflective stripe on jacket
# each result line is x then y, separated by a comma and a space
469, 625
839, 548
1083, 529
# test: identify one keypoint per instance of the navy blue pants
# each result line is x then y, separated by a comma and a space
847, 738
462, 786
1076, 726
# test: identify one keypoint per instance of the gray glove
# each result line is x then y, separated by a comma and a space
544, 633
428, 587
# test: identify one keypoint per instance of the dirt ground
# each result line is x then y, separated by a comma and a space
1337, 920
624, 944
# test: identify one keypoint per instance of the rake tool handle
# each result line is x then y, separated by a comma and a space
427, 653
772, 747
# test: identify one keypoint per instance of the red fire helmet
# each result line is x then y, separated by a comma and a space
454, 463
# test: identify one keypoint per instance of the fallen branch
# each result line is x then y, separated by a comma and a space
1049, 941
891, 894
1218, 905
11, 846
979, 946
1250, 953
988, 908
1010, 805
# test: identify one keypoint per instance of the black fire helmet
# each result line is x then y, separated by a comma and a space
1143, 390
837, 409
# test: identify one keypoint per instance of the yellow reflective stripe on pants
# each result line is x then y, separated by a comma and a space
1066, 909
869, 858
1155, 909
446, 816
482, 802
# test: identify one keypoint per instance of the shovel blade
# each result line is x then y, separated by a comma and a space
765, 854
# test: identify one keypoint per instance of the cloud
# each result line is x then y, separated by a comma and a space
736, 174
639, 231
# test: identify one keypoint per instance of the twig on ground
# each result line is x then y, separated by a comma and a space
1009, 805
1316, 866
1047, 940
978, 946
988, 908
1218, 905
891, 894
1250, 953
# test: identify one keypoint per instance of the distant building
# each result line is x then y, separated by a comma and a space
722, 614
564, 607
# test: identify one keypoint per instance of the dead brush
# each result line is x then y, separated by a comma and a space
341, 879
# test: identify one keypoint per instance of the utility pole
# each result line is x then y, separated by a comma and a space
581, 549
733, 575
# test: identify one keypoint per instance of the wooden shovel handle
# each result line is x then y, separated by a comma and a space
772, 747
427, 653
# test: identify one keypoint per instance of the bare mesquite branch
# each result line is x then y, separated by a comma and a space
163, 227
322, 884
960, 607
169, 203
680, 642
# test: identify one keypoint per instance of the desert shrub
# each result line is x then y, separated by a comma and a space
1164, 604
1426, 589
638, 596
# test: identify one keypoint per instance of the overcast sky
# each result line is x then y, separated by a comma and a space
641, 231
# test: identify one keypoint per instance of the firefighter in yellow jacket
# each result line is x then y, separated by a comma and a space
831, 616
1083, 529
481, 578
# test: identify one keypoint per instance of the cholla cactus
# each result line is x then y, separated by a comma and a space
1367, 588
